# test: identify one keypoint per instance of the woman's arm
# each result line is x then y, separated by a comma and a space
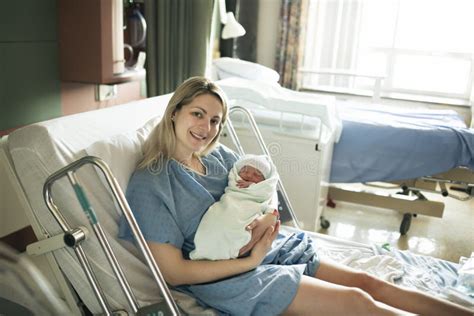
177, 270
258, 228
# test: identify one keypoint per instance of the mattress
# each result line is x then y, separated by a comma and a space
384, 143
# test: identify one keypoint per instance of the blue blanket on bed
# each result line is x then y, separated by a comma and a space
382, 144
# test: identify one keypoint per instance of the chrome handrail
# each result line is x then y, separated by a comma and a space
74, 237
263, 147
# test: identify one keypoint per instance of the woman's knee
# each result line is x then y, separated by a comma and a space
368, 282
360, 301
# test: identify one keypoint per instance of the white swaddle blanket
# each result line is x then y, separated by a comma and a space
221, 232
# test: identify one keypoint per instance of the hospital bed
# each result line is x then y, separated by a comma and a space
31, 154
436, 134
415, 150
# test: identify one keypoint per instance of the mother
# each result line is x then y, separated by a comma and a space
183, 172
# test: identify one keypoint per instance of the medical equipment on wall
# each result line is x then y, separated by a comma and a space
135, 34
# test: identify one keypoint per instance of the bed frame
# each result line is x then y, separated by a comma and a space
409, 200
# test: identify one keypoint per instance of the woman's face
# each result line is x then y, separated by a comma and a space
196, 124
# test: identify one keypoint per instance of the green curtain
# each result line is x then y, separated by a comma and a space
178, 42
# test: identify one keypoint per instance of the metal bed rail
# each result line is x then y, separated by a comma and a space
73, 237
263, 147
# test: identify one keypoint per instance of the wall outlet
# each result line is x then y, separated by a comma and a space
105, 92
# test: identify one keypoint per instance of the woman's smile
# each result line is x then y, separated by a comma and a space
198, 136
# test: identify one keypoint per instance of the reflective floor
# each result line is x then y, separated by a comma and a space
448, 238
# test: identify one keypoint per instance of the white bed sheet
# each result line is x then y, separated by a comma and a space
40, 149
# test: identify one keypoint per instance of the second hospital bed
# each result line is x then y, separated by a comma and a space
417, 149
29, 155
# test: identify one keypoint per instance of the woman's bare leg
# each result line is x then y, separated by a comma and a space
316, 297
388, 293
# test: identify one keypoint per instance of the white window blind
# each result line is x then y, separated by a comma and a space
422, 48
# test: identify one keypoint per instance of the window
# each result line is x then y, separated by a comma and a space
422, 48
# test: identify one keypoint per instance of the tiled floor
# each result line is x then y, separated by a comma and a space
448, 238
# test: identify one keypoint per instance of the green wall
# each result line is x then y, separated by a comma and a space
29, 70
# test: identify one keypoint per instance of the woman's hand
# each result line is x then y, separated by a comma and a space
258, 227
260, 250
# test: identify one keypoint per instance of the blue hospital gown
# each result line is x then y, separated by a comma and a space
168, 203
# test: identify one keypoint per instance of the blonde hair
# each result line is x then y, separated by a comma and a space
161, 143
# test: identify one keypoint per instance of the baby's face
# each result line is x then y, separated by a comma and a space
251, 174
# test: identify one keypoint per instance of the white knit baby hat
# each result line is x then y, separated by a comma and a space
259, 162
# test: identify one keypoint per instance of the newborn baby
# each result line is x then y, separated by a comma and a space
251, 192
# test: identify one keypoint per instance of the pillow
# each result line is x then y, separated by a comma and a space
232, 67
122, 152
